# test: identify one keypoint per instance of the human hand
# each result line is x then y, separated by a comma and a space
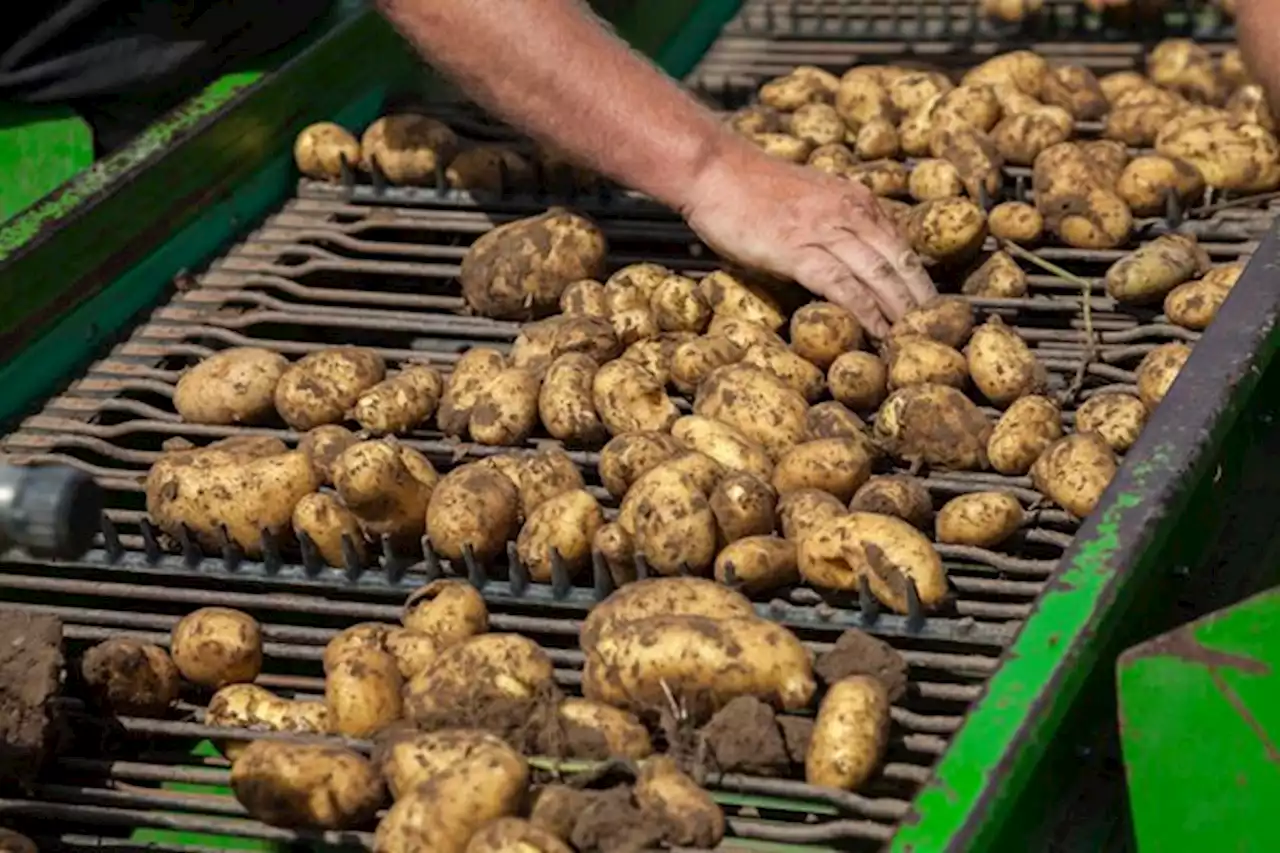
828, 234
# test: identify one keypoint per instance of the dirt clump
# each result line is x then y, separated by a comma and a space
859, 653
611, 822
744, 737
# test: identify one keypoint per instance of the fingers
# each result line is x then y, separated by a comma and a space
875, 271
875, 230
828, 276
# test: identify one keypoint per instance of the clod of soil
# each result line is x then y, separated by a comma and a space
796, 732
743, 737
613, 823
30, 679
859, 653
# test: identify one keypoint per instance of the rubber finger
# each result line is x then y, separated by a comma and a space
875, 271
828, 277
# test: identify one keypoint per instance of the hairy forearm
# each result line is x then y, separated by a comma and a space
550, 68
1258, 29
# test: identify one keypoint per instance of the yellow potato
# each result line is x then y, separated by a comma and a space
130, 678
1001, 364
359, 638
487, 668
662, 597
506, 411
886, 178
833, 419
756, 118
566, 524
1138, 114
723, 443
858, 380
513, 835
326, 522
850, 735
1118, 418
802, 512
1249, 104
743, 333
998, 277
1185, 67
784, 146
215, 646
565, 404
322, 149
472, 373
1158, 370
299, 786
401, 403
620, 734
730, 296
743, 505
915, 360
794, 90
1020, 138
489, 168
1015, 221
933, 179
860, 99
690, 817
757, 403
1194, 304
538, 476
1024, 431
387, 486
409, 758
633, 286
678, 306
321, 388
450, 611
407, 148
898, 496
542, 342
693, 360
913, 88
1076, 90
979, 519
234, 386
1147, 181
1074, 472
887, 551
519, 270
629, 398
817, 124
704, 662
1020, 68
833, 159
877, 140
836, 465
1115, 84
584, 298
935, 424
362, 692
412, 651
798, 374
473, 506
945, 319
655, 354
966, 105
758, 563
633, 324
670, 521
1231, 155
248, 706
323, 445
1148, 273
974, 154
821, 332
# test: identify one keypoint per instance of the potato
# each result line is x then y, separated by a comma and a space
935, 424
784, 146
1116, 417
323, 519
743, 333
967, 106
1015, 221
933, 179
1231, 67
858, 380
655, 354
817, 124
835, 465
1148, 273
616, 547
652, 597
1231, 155
1138, 116
472, 506
1147, 182
506, 411
753, 119
541, 343
620, 734
758, 563
743, 506
887, 551
519, 270
1187, 68
693, 360
1193, 305
1013, 101
1075, 89
860, 99
886, 178
998, 277
915, 360
1249, 105
387, 486
1024, 431
633, 324
821, 332
1021, 68
489, 168
850, 735
1095, 219
130, 678
471, 375
723, 443
730, 296
978, 519
794, 90
234, 386
1074, 472
700, 661
689, 816
833, 419
359, 638
1157, 371
513, 835
192, 491
1115, 84
321, 388
914, 88
565, 404
539, 476
449, 611
634, 286
630, 455
915, 131
300, 786
1020, 138
443, 813
797, 373
407, 148
758, 404
408, 758
946, 319
216, 646
323, 445
248, 706
481, 669
801, 512
566, 523
832, 159
629, 398
947, 229
362, 692
584, 298
671, 522
898, 496
322, 149
1001, 364
678, 306
974, 154
877, 140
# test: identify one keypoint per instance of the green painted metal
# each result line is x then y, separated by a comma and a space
41, 148
1200, 725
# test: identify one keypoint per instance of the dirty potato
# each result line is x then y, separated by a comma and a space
511, 834
620, 734
387, 486
130, 678
449, 611
877, 140
506, 410
671, 522
722, 443
801, 512
1148, 273
323, 445
471, 375
1001, 364
408, 758
362, 692
1015, 221
1157, 371
359, 638
474, 508
332, 529
758, 564
618, 550
758, 404
935, 424
480, 669
565, 403
565, 525
836, 465
797, 373
731, 296
833, 419
248, 706
998, 277
630, 455
321, 388
1231, 155
1075, 89
1020, 138
300, 786
1074, 472
584, 298
324, 149
216, 646
817, 124
234, 386
743, 506
655, 354
1024, 431
898, 496
850, 735
629, 398
743, 333
1115, 416
858, 380
1194, 304
689, 816
400, 403
662, 597
407, 148
792, 91
678, 306
915, 360
887, 552
1147, 182
945, 319
538, 476
978, 519
821, 332
489, 168
933, 179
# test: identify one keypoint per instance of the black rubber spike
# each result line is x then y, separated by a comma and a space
272, 560
440, 178
150, 546
642, 567
476, 575
231, 553
869, 603
190, 551
915, 610
111, 539
430, 562
311, 562
351, 562
561, 582
1173, 212
377, 176
984, 197
347, 173
601, 578
393, 564
731, 578
517, 574
504, 179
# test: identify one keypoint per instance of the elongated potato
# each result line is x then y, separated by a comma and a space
898, 496
387, 486
323, 519
743, 505
693, 360
510, 834
1231, 155
799, 374
758, 563
945, 319
724, 444
323, 445
701, 661
1074, 472
1001, 364
472, 373
662, 597
1117, 417
801, 512
565, 404
1148, 273
321, 388
234, 386
1020, 138
449, 611
757, 403
935, 424
300, 786
408, 758
1157, 371
744, 333
858, 380
689, 816
799, 87
821, 331
1147, 182
850, 735
627, 457
730, 296
472, 507
619, 733
1193, 305
216, 646
980, 519
400, 403
248, 706
629, 398
566, 524
917, 360
362, 692
887, 551
1024, 431
322, 149
836, 465
481, 669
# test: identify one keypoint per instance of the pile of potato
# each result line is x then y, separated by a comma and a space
681, 676
409, 149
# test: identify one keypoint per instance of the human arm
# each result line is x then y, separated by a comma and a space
550, 68
1258, 31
